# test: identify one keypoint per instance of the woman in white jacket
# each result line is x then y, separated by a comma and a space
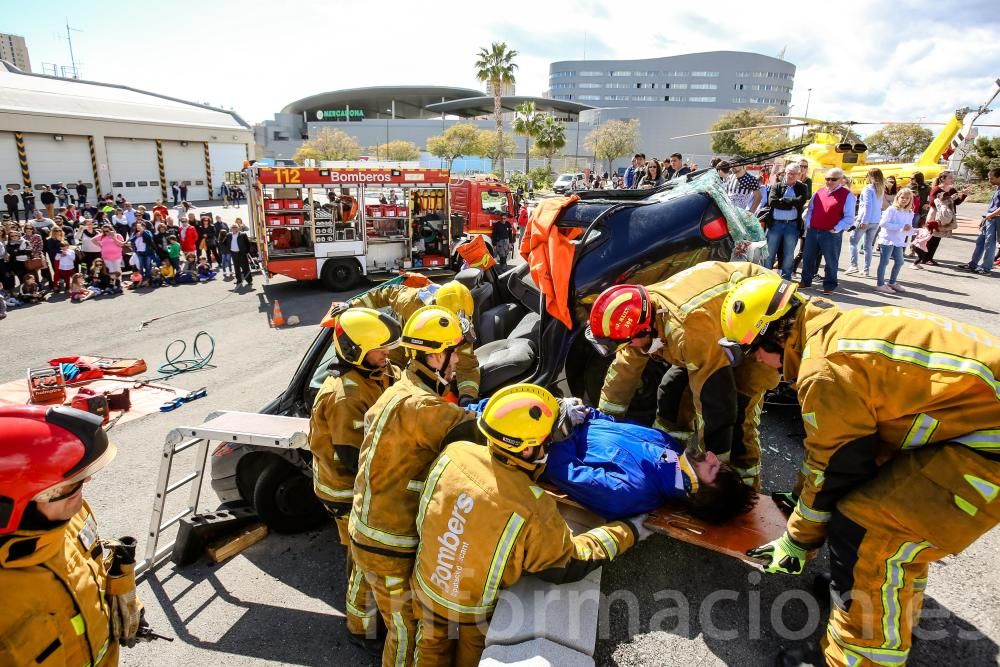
894, 227
867, 220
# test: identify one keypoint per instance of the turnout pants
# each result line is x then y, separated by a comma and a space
923, 505
359, 608
442, 643
676, 414
389, 580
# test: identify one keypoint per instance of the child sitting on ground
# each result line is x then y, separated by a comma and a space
30, 291
205, 271
156, 277
100, 278
77, 289
167, 274
189, 269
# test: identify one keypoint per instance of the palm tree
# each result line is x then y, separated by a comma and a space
497, 66
550, 139
527, 122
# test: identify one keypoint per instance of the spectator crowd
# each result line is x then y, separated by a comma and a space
66, 244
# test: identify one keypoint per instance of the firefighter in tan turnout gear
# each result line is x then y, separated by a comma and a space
902, 462
404, 432
484, 522
677, 321
406, 299
363, 339
68, 597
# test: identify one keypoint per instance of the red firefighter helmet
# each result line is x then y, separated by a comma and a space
45, 452
620, 314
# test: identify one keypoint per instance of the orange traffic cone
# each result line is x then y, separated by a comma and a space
277, 319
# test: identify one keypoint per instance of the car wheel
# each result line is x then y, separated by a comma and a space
284, 500
340, 275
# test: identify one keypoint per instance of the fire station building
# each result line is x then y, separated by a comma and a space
114, 138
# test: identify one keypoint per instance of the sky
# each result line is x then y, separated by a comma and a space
864, 61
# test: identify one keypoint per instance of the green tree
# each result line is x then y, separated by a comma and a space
983, 156
458, 140
396, 151
748, 141
550, 139
900, 141
527, 122
613, 139
329, 144
495, 147
496, 66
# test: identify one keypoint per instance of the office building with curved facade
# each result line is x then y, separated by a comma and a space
669, 96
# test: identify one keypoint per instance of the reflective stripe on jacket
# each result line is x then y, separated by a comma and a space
483, 524
338, 420
403, 435
876, 381
688, 322
404, 301
54, 611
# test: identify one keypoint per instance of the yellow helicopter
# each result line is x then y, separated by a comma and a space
830, 150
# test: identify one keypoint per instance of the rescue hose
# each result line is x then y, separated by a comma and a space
175, 364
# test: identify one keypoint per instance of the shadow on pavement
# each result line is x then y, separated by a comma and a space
203, 600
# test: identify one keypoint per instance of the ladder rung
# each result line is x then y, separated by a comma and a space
181, 482
185, 445
174, 520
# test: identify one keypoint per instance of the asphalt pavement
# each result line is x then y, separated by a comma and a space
281, 601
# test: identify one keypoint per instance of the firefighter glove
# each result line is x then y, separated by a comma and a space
125, 608
572, 412
781, 556
638, 523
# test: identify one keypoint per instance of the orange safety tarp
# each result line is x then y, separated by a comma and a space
476, 254
549, 254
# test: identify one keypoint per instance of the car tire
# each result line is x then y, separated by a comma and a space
340, 275
283, 498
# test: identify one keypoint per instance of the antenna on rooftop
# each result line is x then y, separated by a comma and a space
72, 57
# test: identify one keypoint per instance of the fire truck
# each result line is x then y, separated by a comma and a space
339, 225
478, 201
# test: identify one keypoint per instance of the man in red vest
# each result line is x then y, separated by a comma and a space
830, 214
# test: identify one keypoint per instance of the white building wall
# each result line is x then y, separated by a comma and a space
10, 168
186, 164
52, 161
225, 157
133, 169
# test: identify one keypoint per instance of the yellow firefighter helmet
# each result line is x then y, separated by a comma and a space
360, 330
753, 304
518, 417
432, 329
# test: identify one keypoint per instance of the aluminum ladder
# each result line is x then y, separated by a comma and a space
245, 428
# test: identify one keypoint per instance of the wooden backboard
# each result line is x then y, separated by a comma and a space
765, 523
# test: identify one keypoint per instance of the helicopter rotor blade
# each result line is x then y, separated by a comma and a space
741, 129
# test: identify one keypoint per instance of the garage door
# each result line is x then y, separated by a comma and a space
187, 164
65, 161
10, 168
133, 169
225, 157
